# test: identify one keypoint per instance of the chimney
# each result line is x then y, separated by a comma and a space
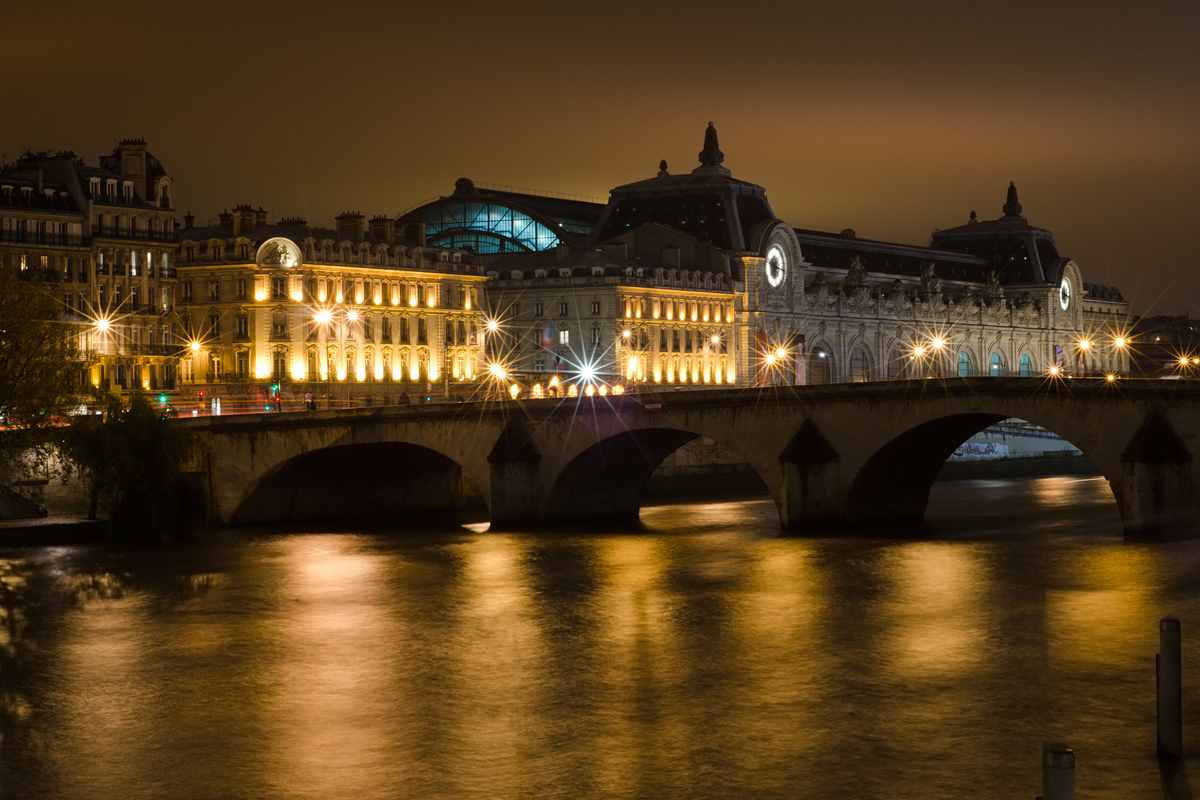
351, 224
295, 222
243, 219
383, 228
562, 253
133, 166
188, 219
226, 219
414, 232
260, 217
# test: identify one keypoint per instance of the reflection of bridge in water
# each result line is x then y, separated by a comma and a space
834, 455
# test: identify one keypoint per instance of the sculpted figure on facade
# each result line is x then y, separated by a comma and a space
993, 290
856, 276
930, 283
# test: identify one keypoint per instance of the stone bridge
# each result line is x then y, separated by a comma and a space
832, 456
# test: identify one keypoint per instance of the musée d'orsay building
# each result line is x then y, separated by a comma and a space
679, 280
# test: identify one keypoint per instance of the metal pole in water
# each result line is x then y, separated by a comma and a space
1170, 688
1058, 772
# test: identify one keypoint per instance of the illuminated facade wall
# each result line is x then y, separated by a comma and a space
106, 235
352, 319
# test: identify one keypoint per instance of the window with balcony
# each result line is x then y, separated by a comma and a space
278, 288
278, 325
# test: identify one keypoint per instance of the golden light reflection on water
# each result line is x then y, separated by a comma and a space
1105, 619
327, 662
937, 623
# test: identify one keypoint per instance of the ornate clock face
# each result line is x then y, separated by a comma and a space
776, 265
1064, 294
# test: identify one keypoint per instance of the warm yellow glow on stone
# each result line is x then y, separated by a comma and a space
412, 300
538, 392
433, 371
413, 372
514, 390
603, 390
1085, 344
1119, 342
572, 391
379, 371
938, 344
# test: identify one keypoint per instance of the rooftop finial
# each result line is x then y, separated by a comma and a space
1012, 208
711, 155
662, 169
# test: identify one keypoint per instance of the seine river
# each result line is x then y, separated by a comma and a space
704, 657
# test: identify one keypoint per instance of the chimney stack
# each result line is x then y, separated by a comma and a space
260, 217
243, 219
226, 219
414, 233
351, 224
188, 219
383, 228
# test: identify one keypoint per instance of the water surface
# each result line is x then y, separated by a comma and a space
705, 657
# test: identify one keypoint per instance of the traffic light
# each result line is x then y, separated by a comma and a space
200, 394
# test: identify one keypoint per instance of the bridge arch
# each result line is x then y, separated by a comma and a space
365, 480
895, 481
607, 479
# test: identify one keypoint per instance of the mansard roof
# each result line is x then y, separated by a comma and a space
1021, 252
707, 201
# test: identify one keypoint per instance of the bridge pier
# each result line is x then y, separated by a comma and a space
1156, 494
516, 488
810, 497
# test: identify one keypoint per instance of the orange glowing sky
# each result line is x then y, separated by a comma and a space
890, 118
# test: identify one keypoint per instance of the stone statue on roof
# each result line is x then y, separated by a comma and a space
993, 290
930, 282
857, 274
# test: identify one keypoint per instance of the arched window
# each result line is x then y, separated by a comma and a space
820, 370
964, 365
897, 365
1026, 366
996, 370
858, 366
280, 365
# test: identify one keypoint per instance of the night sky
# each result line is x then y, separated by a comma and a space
890, 118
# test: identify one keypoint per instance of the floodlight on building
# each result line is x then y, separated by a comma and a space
497, 372
195, 346
1110, 378
770, 358
1119, 342
589, 390
514, 390
781, 353
1085, 344
324, 317
938, 344
493, 325
918, 351
352, 315
716, 339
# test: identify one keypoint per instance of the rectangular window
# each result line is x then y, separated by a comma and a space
537, 309
186, 291
564, 337
278, 289
134, 264
214, 290
595, 336
421, 336
385, 328
241, 288
243, 326
214, 325
404, 330
515, 309
562, 309
595, 306
368, 328
278, 325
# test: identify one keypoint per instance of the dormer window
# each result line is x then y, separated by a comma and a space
597, 272
127, 191
516, 274
539, 273
564, 272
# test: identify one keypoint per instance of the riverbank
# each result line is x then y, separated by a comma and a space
1035, 467
52, 531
